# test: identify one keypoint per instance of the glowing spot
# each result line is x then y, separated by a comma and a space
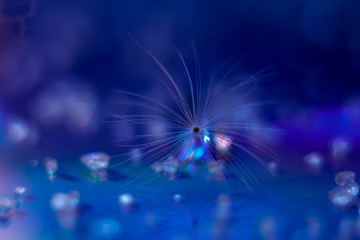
199, 152
222, 143
206, 139
58, 201
66, 207
178, 197
19, 196
17, 130
96, 160
20, 190
340, 148
171, 167
126, 199
314, 160
191, 155
273, 167
341, 198
66, 102
191, 167
61, 200
352, 188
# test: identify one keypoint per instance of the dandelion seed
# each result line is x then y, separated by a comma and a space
198, 126
196, 129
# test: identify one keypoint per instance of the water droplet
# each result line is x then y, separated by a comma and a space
6, 209
341, 178
341, 198
100, 175
96, 160
171, 167
20, 191
352, 188
65, 200
66, 207
19, 196
51, 167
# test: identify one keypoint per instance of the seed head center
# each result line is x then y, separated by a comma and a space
196, 129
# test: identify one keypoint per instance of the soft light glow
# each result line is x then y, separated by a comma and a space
222, 142
126, 199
